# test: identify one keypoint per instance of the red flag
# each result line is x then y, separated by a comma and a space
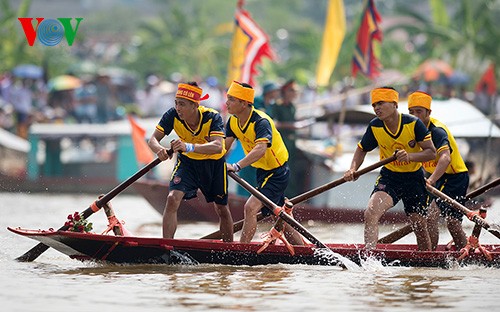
364, 59
142, 152
250, 44
488, 81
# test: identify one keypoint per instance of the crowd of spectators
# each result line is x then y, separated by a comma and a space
107, 96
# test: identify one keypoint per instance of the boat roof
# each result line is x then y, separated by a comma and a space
13, 142
110, 129
463, 119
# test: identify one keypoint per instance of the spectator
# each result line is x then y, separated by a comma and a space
270, 93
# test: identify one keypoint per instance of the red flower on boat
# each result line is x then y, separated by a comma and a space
77, 223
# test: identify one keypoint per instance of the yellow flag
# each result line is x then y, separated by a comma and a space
333, 36
236, 55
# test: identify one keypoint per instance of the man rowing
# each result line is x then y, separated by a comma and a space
264, 150
200, 159
402, 179
448, 172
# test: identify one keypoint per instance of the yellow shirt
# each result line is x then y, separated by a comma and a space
443, 139
410, 131
259, 128
210, 125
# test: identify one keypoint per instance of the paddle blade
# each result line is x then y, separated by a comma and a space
33, 253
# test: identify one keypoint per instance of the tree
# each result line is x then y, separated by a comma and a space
467, 43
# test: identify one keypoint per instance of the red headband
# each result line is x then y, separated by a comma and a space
190, 93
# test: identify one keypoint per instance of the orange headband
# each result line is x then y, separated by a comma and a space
384, 95
190, 93
240, 92
419, 98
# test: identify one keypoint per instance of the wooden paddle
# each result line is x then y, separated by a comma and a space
281, 213
278, 225
277, 210
36, 251
320, 189
237, 226
484, 188
402, 232
490, 227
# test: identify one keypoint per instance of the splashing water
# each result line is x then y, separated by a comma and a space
374, 264
180, 258
331, 257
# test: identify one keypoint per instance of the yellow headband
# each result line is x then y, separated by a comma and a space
190, 93
240, 92
384, 95
419, 98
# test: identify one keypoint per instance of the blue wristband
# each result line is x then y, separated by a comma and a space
189, 147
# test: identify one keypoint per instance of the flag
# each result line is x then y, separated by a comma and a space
488, 81
142, 152
332, 41
364, 59
250, 44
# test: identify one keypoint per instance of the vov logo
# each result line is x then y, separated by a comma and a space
49, 31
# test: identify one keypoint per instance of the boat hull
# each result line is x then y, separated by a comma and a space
139, 250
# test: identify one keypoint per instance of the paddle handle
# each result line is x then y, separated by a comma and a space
122, 186
484, 188
475, 218
396, 235
282, 214
402, 232
309, 194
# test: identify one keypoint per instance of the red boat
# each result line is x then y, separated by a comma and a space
127, 249
197, 209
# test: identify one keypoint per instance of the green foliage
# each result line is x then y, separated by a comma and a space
175, 42
467, 43
12, 47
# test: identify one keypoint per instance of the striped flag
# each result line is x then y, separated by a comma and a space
364, 59
332, 41
250, 44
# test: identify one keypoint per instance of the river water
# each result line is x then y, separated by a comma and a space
54, 282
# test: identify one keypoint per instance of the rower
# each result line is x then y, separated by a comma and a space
448, 172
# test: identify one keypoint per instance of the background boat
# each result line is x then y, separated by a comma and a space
13, 153
69, 158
